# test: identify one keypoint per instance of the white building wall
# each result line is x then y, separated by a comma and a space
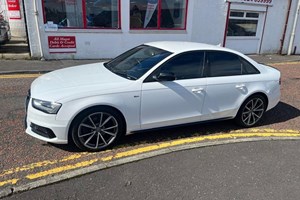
209, 19
206, 21
274, 27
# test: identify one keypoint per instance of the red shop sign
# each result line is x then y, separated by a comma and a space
62, 44
13, 9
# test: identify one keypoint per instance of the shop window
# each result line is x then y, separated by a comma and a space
158, 14
242, 23
82, 13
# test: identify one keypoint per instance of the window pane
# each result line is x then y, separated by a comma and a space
64, 13
240, 27
252, 15
236, 14
247, 68
143, 13
102, 13
173, 14
136, 62
185, 66
223, 64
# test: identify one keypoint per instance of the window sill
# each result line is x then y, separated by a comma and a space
152, 31
242, 38
86, 31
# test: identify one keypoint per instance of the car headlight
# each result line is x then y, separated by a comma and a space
46, 106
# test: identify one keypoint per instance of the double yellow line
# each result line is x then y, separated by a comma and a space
16, 76
102, 158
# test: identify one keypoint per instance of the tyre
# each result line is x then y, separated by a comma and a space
251, 111
97, 129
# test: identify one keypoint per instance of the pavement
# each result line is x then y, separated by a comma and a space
9, 66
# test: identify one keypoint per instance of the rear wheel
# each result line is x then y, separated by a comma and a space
251, 111
97, 129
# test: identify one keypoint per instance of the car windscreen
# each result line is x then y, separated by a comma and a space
136, 62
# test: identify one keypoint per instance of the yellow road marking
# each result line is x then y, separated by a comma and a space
11, 76
158, 147
284, 63
163, 145
41, 164
61, 169
12, 181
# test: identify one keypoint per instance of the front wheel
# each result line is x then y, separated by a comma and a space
251, 111
97, 129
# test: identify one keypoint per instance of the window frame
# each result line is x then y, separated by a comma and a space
244, 17
159, 11
85, 27
240, 58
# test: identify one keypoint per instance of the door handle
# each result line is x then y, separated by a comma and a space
197, 90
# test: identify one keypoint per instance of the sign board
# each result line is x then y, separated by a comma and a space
13, 9
257, 2
62, 44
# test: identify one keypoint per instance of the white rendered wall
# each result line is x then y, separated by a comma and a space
206, 21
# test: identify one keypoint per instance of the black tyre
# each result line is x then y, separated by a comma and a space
251, 111
97, 129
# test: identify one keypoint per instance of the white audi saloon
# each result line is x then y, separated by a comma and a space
157, 84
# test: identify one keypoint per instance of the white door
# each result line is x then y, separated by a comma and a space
245, 31
166, 103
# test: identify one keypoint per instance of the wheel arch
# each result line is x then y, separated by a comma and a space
253, 94
91, 108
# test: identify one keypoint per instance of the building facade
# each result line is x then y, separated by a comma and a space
93, 29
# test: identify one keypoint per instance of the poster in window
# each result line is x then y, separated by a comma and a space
62, 44
151, 7
13, 9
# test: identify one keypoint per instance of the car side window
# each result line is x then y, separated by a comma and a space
223, 64
187, 65
247, 68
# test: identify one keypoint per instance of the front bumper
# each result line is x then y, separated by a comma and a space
45, 126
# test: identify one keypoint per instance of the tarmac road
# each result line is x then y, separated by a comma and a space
21, 154
266, 170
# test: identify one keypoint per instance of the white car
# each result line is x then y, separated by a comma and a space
154, 85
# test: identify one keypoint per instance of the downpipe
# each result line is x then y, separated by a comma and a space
294, 30
36, 15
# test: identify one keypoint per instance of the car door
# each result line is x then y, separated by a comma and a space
229, 80
166, 103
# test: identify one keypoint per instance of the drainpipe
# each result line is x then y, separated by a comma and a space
285, 26
36, 13
226, 25
294, 30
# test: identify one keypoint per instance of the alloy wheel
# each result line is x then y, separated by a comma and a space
253, 111
98, 130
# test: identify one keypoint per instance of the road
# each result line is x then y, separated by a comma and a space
20, 152
255, 170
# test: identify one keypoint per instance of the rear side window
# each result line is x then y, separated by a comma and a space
247, 68
227, 64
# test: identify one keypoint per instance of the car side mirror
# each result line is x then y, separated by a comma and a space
165, 76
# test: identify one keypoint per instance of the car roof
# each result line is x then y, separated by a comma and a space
180, 46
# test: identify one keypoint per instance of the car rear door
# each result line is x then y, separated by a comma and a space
230, 78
